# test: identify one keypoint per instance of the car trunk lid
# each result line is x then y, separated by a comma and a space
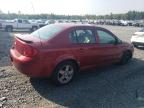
26, 45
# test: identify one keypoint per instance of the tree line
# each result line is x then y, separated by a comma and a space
131, 15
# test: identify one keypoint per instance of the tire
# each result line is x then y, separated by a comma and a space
34, 28
9, 29
64, 73
126, 57
136, 46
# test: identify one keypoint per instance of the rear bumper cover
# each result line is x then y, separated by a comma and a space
138, 43
28, 66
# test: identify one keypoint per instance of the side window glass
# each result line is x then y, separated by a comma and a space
85, 36
73, 37
105, 37
19, 21
25, 21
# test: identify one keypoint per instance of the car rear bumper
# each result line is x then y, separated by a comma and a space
28, 66
137, 39
138, 43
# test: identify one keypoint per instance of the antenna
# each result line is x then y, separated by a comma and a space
38, 27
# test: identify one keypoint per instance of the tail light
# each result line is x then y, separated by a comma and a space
29, 51
24, 49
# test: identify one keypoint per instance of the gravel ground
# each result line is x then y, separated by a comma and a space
110, 87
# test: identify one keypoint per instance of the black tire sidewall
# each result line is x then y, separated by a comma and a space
34, 28
125, 57
9, 29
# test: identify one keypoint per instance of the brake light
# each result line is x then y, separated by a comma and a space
29, 51
24, 48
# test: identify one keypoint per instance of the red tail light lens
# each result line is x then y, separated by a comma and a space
29, 51
24, 49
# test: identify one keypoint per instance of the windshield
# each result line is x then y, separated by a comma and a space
47, 32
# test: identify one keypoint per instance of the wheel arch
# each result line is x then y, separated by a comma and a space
8, 26
129, 51
65, 59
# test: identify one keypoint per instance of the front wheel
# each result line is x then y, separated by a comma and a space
34, 28
64, 73
126, 57
8, 29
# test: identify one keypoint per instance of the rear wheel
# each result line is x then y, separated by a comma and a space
126, 57
8, 29
34, 28
136, 46
64, 73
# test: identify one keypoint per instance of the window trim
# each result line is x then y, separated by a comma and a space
102, 29
93, 34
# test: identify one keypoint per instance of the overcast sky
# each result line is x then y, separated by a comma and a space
71, 7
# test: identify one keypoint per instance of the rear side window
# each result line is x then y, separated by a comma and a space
47, 32
105, 37
82, 36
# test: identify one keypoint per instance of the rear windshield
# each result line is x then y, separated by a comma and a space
47, 32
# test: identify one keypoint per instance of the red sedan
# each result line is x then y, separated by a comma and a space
58, 51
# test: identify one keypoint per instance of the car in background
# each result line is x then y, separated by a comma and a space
1, 21
123, 23
138, 38
50, 22
58, 51
138, 23
40, 23
10, 25
0, 25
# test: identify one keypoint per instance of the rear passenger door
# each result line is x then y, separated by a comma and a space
84, 41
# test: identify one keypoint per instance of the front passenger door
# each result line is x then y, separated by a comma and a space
109, 50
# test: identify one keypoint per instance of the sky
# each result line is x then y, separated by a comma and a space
71, 7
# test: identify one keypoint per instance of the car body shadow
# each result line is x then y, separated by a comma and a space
101, 88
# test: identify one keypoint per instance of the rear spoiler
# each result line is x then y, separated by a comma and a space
24, 40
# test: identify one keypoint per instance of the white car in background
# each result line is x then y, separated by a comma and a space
138, 38
10, 25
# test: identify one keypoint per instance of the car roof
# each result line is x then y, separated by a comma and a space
70, 25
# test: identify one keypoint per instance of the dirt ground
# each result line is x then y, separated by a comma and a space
109, 87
